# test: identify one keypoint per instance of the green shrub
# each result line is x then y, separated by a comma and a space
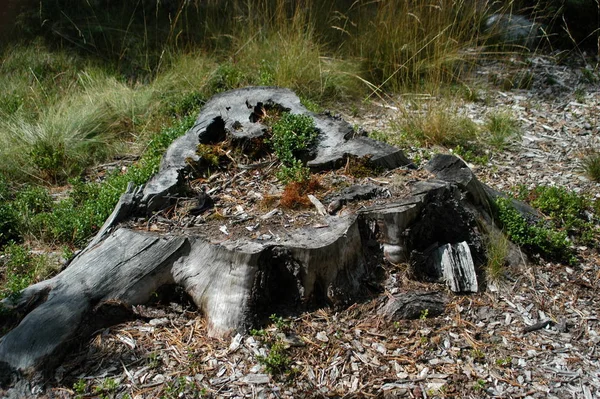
9, 224
568, 210
277, 362
9, 218
292, 136
19, 269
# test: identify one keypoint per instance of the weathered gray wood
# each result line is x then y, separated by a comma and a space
236, 115
229, 282
455, 265
125, 207
236, 283
414, 305
127, 267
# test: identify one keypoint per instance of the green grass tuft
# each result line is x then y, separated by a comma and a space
501, 127
439, 124
497, 247
591, 165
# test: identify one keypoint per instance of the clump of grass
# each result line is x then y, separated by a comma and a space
501, 127
74, 219
33, 76
413, 43
591, 165
86, 125
496, 246
438, 125
284, 50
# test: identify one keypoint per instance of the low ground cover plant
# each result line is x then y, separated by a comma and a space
84, 82
570, 220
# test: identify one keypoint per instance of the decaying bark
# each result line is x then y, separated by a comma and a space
237, 282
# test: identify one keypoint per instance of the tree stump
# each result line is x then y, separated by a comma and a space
237, 281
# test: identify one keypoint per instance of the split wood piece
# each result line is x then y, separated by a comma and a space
318, 205
456, 266
414, 305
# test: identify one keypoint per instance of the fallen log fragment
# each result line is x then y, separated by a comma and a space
414, 305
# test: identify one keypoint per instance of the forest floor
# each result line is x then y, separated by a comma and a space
536, 334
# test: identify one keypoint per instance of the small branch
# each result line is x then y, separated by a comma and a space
538, 326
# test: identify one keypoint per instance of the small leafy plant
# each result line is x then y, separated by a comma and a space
280, 323
277, 362
569, 211
79, 388
504, 361
479, 385
18, 271
477, 355
292, 136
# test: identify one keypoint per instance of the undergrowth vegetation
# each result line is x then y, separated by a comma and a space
292, 137
440, 124
85, 82
34, 216
569, 219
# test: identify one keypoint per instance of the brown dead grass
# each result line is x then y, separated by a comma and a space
295, 194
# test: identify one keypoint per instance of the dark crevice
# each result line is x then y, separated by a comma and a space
215, 132
263, 110
278, 285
